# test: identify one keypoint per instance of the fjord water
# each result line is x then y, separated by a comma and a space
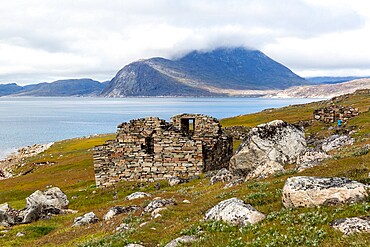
26, 121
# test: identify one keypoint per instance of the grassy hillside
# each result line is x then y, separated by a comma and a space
72, 171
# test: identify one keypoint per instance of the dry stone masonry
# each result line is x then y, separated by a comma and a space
150, 149
332, 113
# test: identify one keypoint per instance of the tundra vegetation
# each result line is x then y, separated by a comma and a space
70, 168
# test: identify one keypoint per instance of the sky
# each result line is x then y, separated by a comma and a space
47, 40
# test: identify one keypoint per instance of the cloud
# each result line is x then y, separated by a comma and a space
90, 38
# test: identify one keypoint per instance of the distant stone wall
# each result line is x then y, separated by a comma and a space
150, 149
237, 132
331, 114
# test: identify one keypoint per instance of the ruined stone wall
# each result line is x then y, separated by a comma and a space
332, 113
237, 132
151, 149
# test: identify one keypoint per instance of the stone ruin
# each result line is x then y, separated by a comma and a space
332, 113
149, 149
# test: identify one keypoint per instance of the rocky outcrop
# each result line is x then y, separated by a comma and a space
181, 240
112, 212
137, 195
337, 141
89, 218
310, 159
315, 191
273, 143
39, 205
352, 225
234, 211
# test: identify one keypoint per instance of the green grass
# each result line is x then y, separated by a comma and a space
73, 173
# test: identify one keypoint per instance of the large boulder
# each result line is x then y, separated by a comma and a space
270, 143
50, 198
352, 225
234, 211
304, 191
336, 141
7, 218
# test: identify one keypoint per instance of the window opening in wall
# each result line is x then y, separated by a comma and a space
188, 126
149, 145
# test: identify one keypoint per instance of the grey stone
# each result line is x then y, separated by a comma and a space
310, 159
134, 245
336, 141
180, 240
50, 198
31, 213
158, 203
172, 181
304, 191
352, 225
137, 195
123, 227
270, 143
222, 175
86, 219
119, 210
235, 212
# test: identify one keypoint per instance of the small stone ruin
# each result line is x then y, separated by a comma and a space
332, 113
149, 149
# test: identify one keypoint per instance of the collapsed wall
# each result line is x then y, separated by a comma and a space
150, 149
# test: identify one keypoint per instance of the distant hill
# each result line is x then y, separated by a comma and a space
8, 89
202, 74
333, 79
71, 87
323, 91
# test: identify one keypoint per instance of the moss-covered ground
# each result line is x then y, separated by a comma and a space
71, 169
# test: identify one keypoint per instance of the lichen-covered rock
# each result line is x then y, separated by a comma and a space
336, 141
50, 198
266, 169
119, 210
172, 181
304, 191
158, 203
222, 175
6, 216
89, 218
234, 182
276, 141
31, 213
235, 212
352, 225
137, 195
181, 240
310, 159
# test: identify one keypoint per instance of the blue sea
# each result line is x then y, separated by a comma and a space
26, 121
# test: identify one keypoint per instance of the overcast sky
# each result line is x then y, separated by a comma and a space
46, 40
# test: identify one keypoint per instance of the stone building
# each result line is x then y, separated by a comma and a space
149, 149
332, 113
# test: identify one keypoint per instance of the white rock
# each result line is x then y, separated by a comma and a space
20, 234
156, 212
266, 169
172, 181
50, 198
180, 240
336, 141
235, 212
88, 218
352, 225
186, 201
222, 175
112, 212
123, 227
314, 191
276, 141
134, 245
137, 195
310, 159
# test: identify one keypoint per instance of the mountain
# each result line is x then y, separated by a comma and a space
221, 71
333, 79
8, 89
323, 91
71, 87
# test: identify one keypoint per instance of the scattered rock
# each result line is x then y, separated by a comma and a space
134, 245
236, 181
156, 212
20, 234
222, 175
314, 191
180, 240
88, 218
123, 227
137, 195
310, 159
270, 143
119, 210
336, 141
266, 169
186, 201
172, 181
158, 203
235, 212
352, 225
